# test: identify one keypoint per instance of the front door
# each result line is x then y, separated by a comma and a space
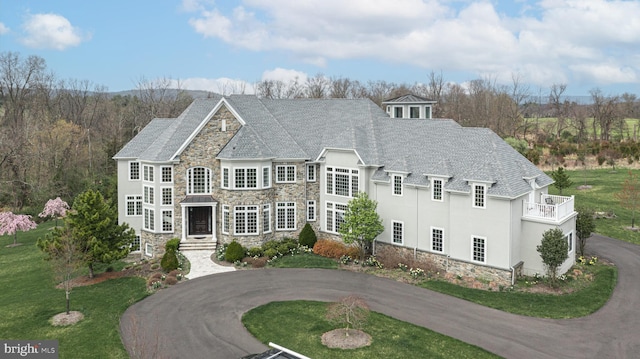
200, 221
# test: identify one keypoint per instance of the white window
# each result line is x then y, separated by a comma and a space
135, 245
414, 112
569, 237
479, 196
225, 178
436, 189
245, 219
479, 249
335, 216
198, 180
286, 174
245, 177
427, 112
148, 249
149, 219
167, 174
437, 239
311, 211
397, 232
311, 173
342, 181
266, 177
167, 221
167, 196
266, 218
285, 216
148, 173
134, 171
134, 205
397, 185
397, 112
225, 219
148, 195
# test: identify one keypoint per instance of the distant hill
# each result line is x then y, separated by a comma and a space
171, 92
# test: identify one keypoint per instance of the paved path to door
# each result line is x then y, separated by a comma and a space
201, 318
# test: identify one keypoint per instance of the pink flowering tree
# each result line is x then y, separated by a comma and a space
54, 208
11, 223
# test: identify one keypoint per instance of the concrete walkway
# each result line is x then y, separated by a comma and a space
202, 265
201, 318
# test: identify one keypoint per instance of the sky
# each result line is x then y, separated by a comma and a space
215, 45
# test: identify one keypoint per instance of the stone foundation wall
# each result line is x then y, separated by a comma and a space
157, 240
454, 266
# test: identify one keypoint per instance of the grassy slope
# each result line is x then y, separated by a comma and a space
33, 300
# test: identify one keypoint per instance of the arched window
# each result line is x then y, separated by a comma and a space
199, 180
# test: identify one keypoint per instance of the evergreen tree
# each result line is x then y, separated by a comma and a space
561, 179
94, 225
362, 224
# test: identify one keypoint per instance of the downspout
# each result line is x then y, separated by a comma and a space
415, 249
513, 275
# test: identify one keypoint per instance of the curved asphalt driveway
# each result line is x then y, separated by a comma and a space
201, 318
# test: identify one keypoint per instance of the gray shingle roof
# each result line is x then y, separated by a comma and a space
408, 98
302, 128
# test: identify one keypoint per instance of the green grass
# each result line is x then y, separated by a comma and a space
391, 338
576, 304
601, 197
305, 260
29, 299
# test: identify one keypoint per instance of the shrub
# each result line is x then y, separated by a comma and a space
255, 252
307, 236
234, 252
173, 273
170, 280
172, 244
334, 249
271, 244
259, 262
270, 253
169, 261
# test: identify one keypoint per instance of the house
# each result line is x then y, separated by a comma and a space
253, 169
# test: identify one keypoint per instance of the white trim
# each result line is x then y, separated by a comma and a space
324, 151
571, 245
136, 199
162, 214
268, 177
311, 215
433, 187
162, 203
246, 177
225, 212
207, 178
228, 179
330, 206
393, 185
484, 249
148, 249
148, 171
401, 223
129, 170
162, 174
315, 172
286, 173
484, 195
432, 228
286, 206
266, 208
245, 211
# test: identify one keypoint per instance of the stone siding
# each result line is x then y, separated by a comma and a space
454, 266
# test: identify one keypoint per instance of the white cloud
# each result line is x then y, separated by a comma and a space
547, 40
51, 31
3, 29
284, 75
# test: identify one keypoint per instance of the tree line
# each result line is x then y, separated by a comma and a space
57, 137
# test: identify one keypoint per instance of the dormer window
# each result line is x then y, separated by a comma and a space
397, 112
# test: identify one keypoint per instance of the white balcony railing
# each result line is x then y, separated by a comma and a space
553, 208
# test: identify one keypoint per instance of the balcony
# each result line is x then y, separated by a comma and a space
552, 208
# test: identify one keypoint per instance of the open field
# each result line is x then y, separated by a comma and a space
600, 197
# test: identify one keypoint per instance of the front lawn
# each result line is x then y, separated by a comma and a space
29, 299
304, 260
391, 338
